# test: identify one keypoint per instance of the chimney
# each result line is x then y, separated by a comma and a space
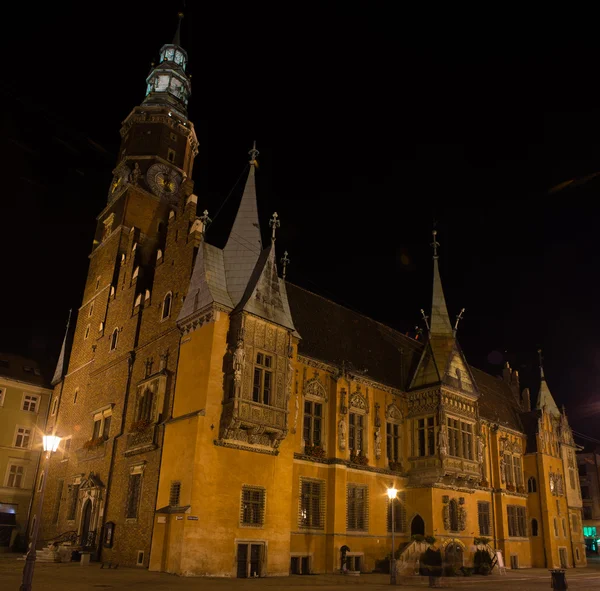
507, 373
515, 381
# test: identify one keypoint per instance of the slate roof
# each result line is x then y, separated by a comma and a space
23, 369
334, 334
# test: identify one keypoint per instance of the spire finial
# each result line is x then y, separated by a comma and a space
285, 261
177, 37
459, 317
253, 154
435, 244
541, 363
205, 221
425, 318
274, 223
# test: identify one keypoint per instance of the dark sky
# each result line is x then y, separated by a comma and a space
371, 125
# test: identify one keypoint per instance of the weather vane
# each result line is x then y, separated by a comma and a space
435, 244
459, 317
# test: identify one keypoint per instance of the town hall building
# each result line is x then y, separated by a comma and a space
219, 420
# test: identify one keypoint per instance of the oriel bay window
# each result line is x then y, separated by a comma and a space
460, 439
425, 436
313, 417
356, 432
263, 379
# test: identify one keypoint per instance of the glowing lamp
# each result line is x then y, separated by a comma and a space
51, 443
391, 493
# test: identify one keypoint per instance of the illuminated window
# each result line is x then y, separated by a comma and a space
54, 406
425, 437
263, 379
15, 476
22, 437
312, 503
589, 531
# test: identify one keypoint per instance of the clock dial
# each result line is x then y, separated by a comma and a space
163, 180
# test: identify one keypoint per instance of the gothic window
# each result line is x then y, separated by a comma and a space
313, 418
393, 442
356, 432
30, 402
166, 307
453, 515
312, 503
399, 516
22, 437
531, 485
134, 492
534, 528
357, 507
517, 521
175, 493
262, 384
114, 337
425, 436
253, 506
483, 512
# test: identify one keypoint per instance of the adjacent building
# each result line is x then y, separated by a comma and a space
24, 399
588, 461
219, 420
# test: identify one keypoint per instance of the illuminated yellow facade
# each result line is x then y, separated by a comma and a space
292, 416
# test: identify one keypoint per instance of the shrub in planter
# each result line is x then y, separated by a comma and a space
482, 561
430, 539
315, 451
485, 569
396, 466
430, 564
359, 459
467, 571
510, 487
418, 538
93, 443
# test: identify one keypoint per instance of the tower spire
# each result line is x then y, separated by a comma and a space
63, 360
177, 36
545, 398
440, 321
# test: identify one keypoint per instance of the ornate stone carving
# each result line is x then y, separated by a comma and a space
239, 360
314, 388
136, 174
377, 442
394, 413
462, 517
343, 407
480, 448
377, 418
357, 400
443, 441
342, 434
446, 516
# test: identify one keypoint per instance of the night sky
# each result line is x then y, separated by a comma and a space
371, 125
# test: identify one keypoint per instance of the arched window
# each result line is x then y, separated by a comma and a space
531, 485
166, 309
146, 406
453, 515
113, 339
534, 527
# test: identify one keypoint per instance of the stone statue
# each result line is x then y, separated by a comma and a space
502, 469
480, 449
239, 356
443, 441
462, 518
290, 375
342, 434
297, 409
378, 442
135, 175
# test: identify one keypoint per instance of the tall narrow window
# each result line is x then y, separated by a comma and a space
518, 470
426, 436
87, 332
175, 493
313, 417
166, 308
467, 440
393, 442
263, 379
453, 515
253, 506
133, 496
483, 510
113, 339
534, 527
312, 503
399, 516
357, 500
146, 406
56, 508
40, 482
356, 433
531, 485
453, 437
508, 471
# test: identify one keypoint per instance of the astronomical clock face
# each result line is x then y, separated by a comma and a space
163, 180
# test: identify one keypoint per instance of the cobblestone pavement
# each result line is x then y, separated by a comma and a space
72, 576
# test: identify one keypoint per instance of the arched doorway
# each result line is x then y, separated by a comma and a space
417, 526
454, 555
86, 516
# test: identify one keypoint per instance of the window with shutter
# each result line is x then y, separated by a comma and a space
357, 507
483, 510
252, 510
312, 503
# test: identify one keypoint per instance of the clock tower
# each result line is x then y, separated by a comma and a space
158, 147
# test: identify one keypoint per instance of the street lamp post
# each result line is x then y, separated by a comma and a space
50, 443
392, 492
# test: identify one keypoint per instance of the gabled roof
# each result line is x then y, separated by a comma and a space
22, 369
264, 295
207, 284
244, 244
545, 397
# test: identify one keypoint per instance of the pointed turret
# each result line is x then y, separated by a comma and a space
442, 360
63, 358
545, 398
244, 244
177, 36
